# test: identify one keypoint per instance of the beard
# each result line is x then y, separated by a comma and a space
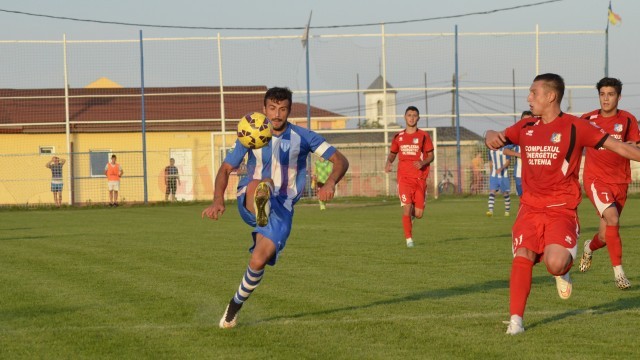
280, 125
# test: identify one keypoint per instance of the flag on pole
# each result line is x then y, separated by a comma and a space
305, 36
613, 17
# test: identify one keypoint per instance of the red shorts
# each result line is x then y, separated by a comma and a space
412, 191
602, 195
536, 228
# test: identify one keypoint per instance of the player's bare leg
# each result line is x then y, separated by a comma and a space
264, 250
558, 260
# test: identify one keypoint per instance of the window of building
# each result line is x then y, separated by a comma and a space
98, 159
47, 150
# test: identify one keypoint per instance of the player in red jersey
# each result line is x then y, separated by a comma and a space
415, 152
607, 176
546, 228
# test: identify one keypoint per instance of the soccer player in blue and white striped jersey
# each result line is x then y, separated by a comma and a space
516, 157
276, 176
499, 180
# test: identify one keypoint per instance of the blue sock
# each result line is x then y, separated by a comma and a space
492, 200
249, 282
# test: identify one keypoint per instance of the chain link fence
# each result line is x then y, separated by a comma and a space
151, 99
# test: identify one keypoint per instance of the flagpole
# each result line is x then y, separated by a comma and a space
606, 45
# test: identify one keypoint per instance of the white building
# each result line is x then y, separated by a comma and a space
374, 97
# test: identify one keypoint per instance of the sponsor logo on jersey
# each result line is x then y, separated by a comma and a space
617, 127
556, 137
593, 123
529, 133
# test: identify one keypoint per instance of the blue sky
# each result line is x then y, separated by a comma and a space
565, 15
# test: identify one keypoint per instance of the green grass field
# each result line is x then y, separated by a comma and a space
152, 282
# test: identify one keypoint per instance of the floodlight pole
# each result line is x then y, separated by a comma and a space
459, 165
144, 123
67, 129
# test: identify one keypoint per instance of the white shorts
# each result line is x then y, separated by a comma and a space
114, 185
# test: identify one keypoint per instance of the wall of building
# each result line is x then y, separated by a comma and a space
27, 180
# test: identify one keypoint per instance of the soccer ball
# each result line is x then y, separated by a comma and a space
254, 130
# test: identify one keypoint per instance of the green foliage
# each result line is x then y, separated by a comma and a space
152, 282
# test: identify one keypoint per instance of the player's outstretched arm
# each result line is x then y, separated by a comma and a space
494, 139
340, 167
623, 149
216, 209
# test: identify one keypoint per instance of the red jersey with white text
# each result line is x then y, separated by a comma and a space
551, 155
411, 148
604, 164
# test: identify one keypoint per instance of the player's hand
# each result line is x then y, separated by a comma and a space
387, 167
327, 191
215, 210
495, 140
418, 164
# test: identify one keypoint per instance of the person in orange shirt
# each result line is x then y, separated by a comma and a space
477, 166
114, 172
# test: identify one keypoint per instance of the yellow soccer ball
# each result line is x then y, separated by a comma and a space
254, 130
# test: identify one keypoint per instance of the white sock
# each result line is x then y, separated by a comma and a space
516, 319
617, 270
587, 249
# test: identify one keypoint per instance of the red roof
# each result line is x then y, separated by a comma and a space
89, 107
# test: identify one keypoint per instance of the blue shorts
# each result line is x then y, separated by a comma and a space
518, 186
502, 184
56, 187
278, 228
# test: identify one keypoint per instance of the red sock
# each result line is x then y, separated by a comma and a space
614, 244
406, 224
520, 284
596, 243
